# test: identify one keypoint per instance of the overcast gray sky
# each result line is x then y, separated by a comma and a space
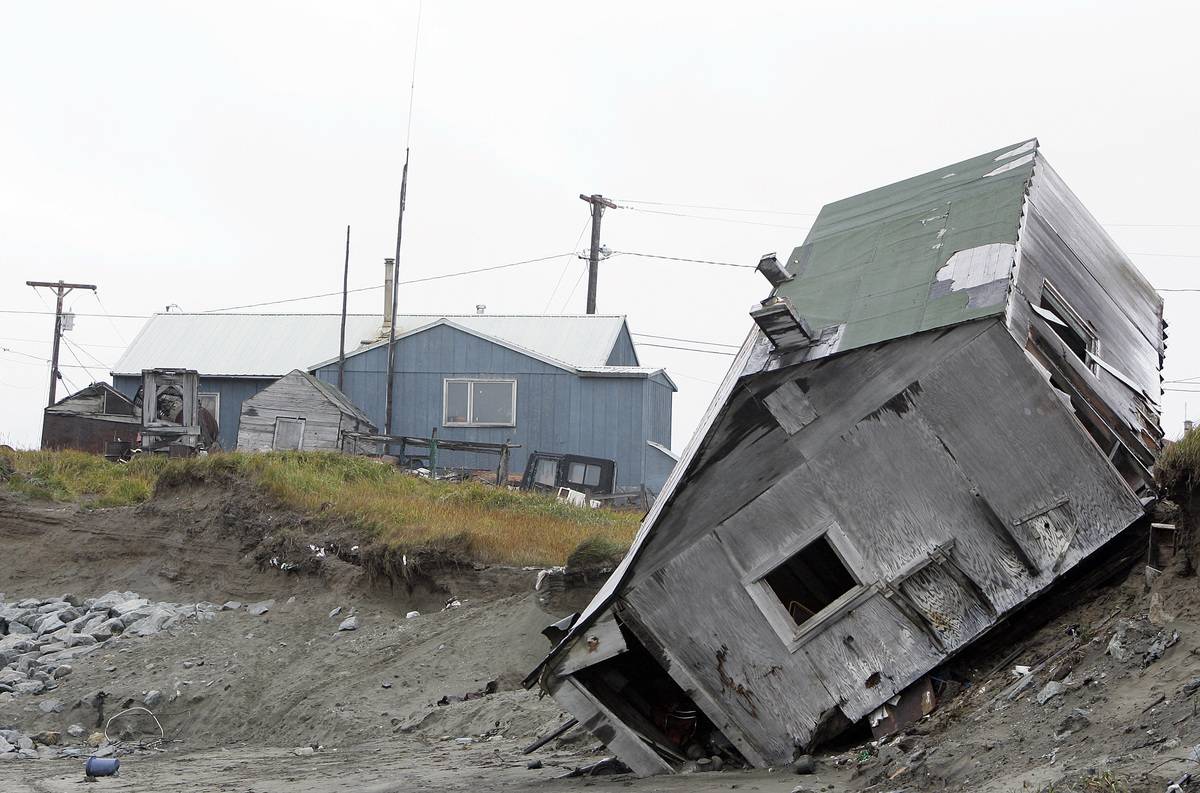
211, 154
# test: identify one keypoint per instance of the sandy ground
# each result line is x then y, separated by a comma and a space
245, 691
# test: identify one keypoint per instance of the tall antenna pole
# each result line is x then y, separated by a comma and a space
61, 289
598, 203
345, 296
391, 359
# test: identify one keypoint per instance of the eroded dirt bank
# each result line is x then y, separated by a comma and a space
1109, 703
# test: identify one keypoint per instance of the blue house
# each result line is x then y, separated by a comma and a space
550, 383
568, 384
237, 355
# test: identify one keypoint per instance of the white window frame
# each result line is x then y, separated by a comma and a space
1074, 320
795, 636
470, 381
275, 435
216, 395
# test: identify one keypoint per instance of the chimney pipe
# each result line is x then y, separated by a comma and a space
480, 308
389, 275
1187, 426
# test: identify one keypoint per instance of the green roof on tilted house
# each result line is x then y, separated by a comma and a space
883, 264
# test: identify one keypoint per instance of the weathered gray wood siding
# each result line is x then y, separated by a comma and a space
292, 396
557, 410
1061, 242
233, 391
950, 435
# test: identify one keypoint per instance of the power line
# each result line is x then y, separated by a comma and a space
567, 264
688, 349
682, 259
815, 214
90, 373
713, 219
718, 208
77, 344
689, 341
51, 313
380, 286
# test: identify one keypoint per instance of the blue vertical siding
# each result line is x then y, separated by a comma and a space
557, 410
623, 352
233, 391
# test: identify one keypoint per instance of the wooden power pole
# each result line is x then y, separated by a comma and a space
345, 296
61, 289
598, 203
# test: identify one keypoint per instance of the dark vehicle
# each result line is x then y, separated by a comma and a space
549, 471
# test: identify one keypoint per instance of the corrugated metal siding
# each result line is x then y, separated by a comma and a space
556, 410
233, 391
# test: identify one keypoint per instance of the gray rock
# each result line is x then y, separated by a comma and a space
231, 605
260, 608
152, 699
6, 747
51, 606
50, 706
129, 606
804, 764
30, 687
80, 640
18, 629
159, 617
62, 670
106, 629
75, 731
25, 743
1049, 691
349, 624
336, 611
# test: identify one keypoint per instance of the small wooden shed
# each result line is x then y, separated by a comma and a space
89, 419
298, 412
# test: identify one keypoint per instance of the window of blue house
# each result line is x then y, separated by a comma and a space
479, 403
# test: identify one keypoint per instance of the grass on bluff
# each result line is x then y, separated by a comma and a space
489, 524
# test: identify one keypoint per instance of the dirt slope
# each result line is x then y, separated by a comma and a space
1110, 702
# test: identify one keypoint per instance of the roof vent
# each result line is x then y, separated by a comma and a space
787, 330
480, 308
774, 272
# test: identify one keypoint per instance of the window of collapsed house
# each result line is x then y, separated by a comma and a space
289, 434
479, 403
809, 585
1076, 332
211, 401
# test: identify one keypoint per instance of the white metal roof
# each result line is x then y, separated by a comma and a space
271, 345
572, 341
242, 345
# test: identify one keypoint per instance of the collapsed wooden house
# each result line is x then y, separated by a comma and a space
949, 400
299, 412
90, 419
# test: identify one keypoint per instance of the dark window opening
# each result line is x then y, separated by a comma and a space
639, 692
1070, 327
810, 580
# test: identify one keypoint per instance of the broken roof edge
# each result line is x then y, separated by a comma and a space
612, 586
1029, 146
95, 384
333, 394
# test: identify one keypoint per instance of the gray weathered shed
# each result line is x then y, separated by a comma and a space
949, 400
298, 412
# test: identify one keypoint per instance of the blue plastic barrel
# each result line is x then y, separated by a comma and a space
101, 766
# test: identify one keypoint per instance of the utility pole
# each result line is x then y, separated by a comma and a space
342, 337
61, 289
391, 356
598, 203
